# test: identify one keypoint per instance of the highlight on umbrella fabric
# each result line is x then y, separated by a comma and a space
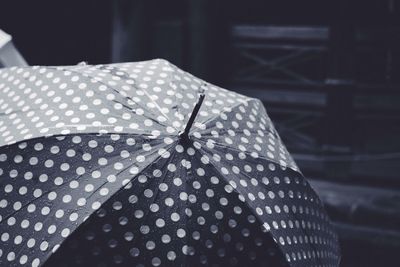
96, 169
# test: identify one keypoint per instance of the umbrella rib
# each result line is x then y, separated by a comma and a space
247, 100
133, 178
115, 90
158, 107
149, 96
162, 180
224, 130
256, 215
185, 205
294, 214
297, 218
173, 80
58, 186
122, 188
245, 152
245, 202
64, 183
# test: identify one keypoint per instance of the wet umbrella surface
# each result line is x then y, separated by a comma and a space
116, 165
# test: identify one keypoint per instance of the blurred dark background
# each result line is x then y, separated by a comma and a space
327, 71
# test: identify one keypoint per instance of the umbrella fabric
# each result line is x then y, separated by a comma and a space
95, 171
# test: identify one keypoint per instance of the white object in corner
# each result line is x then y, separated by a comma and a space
9, 55
4, 38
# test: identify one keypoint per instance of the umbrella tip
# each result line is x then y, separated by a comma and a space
185, 133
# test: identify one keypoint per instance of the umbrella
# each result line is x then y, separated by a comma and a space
143, 164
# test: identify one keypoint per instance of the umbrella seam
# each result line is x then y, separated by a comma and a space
304, 230
115, 90
118, 191
250, 208
247, 153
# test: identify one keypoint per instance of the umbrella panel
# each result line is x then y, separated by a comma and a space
172, 214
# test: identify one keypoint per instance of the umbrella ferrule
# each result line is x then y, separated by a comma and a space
185, 133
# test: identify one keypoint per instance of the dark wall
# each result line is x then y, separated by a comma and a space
59, 32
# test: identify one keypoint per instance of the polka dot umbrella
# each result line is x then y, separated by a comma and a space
143, 164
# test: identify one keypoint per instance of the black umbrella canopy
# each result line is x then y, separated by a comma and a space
143, 164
